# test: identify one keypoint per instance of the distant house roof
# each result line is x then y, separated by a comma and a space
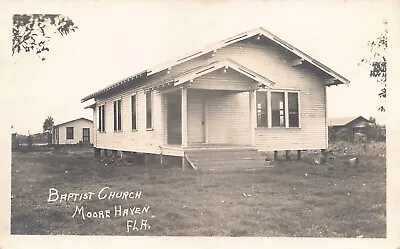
72, 121
258, 32
343, 121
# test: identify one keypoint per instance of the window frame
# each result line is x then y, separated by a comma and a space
298, 109
117, 114
134, 110
101, 126
266, 107
146, 94
286, 108
66, 133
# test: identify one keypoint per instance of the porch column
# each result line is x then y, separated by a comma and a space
184, 116
253, 115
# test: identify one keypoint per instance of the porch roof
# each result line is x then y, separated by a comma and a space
66, 122
196, 72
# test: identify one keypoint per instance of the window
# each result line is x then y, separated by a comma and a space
133, 112
102, 118
279, 109
262, 114
117, 115
148, 110
293, 99
70, 132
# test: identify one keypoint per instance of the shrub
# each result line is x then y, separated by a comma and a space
343, 134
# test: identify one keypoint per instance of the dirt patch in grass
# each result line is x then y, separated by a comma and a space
293, 198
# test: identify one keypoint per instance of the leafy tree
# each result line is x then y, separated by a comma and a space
374, 131
48, 127
377, 62
31, 32
372, 120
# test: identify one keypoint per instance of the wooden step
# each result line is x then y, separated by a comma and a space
236, 167
226, 159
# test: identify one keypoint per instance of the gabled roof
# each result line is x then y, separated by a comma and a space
72, 121
258, 32
213, 66
342, 121
251, 33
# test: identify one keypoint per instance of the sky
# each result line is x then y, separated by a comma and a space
120, 39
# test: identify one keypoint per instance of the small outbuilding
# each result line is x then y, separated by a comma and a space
73, 132
356, 124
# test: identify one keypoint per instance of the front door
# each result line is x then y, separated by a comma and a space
86, 135
197, 117
174, 118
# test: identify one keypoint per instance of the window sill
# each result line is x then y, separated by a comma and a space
134, 130
149, 129
101, 132
277, 128
118, 131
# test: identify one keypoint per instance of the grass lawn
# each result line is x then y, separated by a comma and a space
293, 198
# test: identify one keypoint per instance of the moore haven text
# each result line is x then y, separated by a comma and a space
117, 211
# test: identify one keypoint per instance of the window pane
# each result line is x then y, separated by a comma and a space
293, 109
278, 109
148, 110
100, 120
262, 117
119, 126
70, 132
133, 111
115, 115
103, 117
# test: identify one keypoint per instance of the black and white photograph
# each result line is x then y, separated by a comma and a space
250, 119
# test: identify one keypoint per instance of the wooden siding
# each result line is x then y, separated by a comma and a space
78, 131
164, 117
140, 140
228, 118
228, 114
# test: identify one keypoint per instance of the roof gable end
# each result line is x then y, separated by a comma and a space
226, 63
336, 78
72, 121
242, 36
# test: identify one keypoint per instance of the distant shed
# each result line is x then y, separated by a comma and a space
355, 123
73, 132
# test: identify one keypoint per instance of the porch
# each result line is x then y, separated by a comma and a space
211, 129
209, 116
209, 119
